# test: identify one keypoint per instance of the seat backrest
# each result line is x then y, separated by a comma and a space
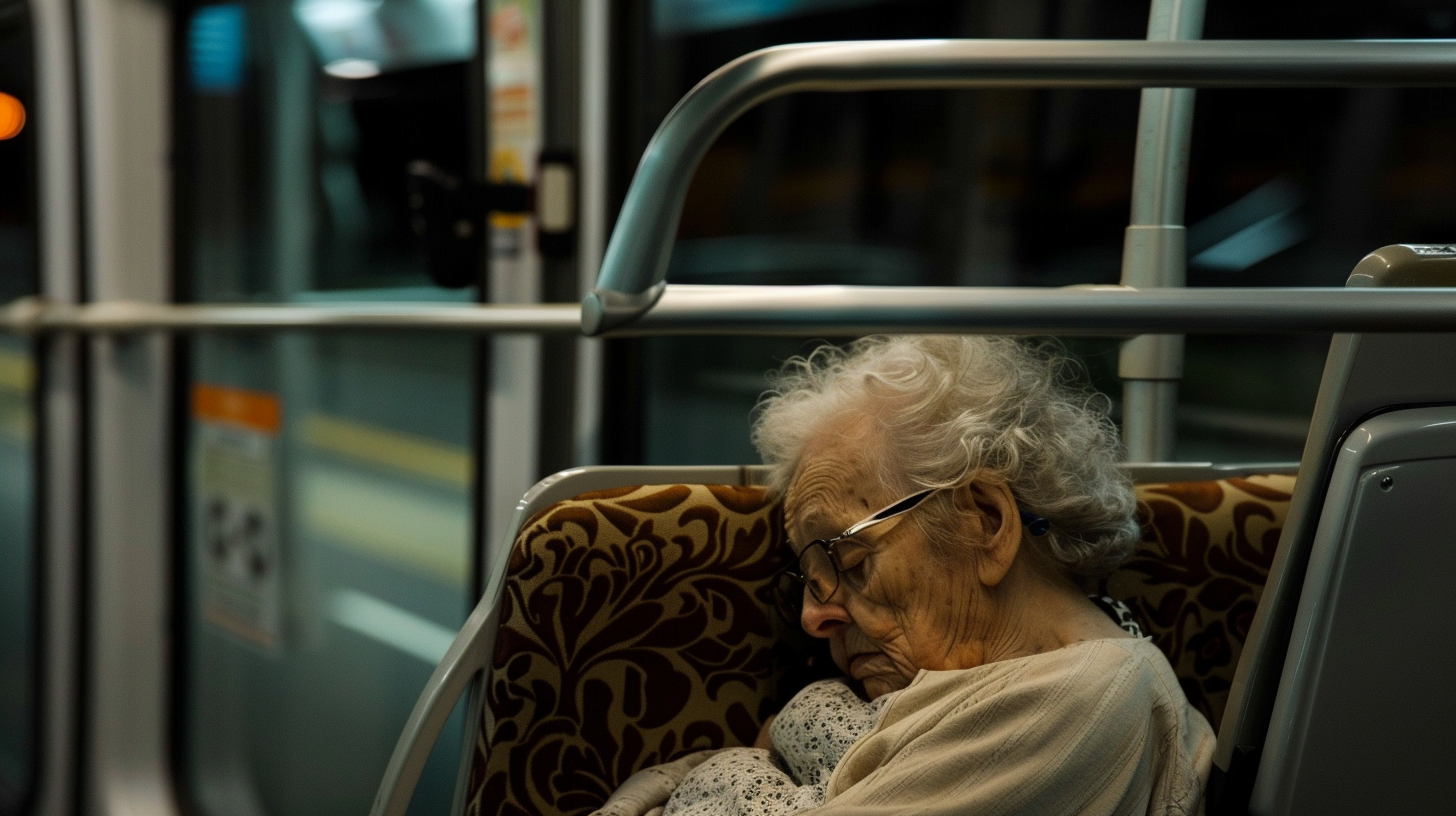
1197, 574
638, 625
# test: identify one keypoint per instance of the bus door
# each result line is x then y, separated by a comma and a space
339, 488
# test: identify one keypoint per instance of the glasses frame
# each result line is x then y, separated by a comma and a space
890, 511
1032, 523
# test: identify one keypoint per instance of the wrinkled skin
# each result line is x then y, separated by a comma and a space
900, 607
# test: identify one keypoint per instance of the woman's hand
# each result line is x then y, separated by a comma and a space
645, 792
764, 740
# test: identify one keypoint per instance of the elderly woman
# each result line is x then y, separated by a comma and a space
944, 495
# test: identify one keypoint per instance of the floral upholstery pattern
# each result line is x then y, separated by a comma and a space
1196, 576
638, 626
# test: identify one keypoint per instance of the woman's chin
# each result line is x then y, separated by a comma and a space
878, 685
876, 673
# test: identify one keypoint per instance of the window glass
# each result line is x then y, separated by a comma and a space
298, 178
329, 476
683, 16
1020, 187
19, 695
330, 563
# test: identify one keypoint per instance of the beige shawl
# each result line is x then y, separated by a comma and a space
1099, 727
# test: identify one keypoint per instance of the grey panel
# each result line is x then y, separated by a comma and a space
1364, 713
1363, 374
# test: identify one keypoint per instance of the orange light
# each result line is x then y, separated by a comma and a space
12, 117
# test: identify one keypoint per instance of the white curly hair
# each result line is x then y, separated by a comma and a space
948, 407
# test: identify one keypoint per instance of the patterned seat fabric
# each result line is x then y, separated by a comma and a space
1196, 577
638, 626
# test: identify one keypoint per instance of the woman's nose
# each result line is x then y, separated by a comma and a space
822, 619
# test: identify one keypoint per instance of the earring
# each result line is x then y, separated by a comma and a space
1034, 524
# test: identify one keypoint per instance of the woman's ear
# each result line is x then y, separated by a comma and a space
1000, 524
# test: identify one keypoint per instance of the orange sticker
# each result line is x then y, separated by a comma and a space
12, 116
250, 410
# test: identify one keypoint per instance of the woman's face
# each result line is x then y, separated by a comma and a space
899, 607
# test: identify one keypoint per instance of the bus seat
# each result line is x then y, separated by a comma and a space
638, 625
1196, 576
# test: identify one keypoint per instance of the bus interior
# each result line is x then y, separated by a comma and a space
295, 319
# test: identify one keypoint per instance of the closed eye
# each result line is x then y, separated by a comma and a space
853, 558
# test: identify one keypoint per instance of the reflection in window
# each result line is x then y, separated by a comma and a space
360, 38
685, 16
18, 572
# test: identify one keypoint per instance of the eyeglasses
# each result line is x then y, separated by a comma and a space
820, 563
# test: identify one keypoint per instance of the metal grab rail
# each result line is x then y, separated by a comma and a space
34, 315
635, 266
817, 311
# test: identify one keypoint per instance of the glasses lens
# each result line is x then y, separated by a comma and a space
819, 572
789, 597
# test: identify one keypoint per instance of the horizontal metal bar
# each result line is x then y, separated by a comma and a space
30, 315
641, 245
853, 311
797, 311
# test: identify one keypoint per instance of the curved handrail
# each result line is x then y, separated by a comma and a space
633, 271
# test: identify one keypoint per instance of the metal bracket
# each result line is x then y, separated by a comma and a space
449, 214
604, 309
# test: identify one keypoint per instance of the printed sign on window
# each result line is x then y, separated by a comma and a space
235, 455
515, 115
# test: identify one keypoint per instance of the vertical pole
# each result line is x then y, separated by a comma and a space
516, 105
592, 230
124, 47
59, 532
1154, 247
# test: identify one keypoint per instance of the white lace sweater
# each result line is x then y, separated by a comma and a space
810, 736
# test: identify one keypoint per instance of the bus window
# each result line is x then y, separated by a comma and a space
330, 478
1015, 187
19, 695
